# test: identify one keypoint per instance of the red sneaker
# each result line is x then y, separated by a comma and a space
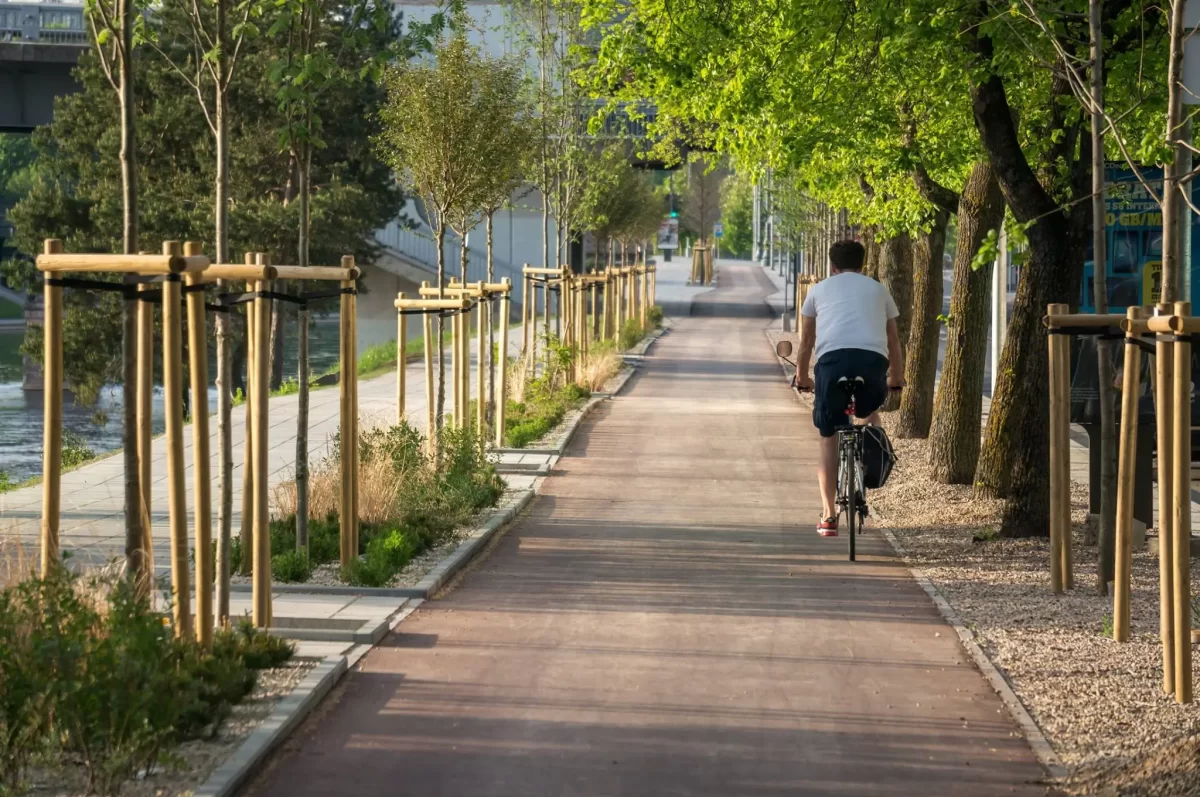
828, 527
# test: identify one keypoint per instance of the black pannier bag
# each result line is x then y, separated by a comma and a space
878, 457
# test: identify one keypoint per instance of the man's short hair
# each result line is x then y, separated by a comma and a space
847, 255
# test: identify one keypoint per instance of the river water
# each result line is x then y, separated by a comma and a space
100, 425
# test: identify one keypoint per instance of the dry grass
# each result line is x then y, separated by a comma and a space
518, 378
16, 563
378, 491
598, 366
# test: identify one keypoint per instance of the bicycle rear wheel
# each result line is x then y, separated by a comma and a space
851, 512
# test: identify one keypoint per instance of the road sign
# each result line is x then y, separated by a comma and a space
718, 229
668, 234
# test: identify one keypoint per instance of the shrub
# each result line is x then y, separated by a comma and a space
631, 333
654, 316
291, 567
90, 673
258, 649
75, 450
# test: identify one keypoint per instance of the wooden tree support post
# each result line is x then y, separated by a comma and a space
1127, 464
259, 396
201, 465
352, 286
481, 358
52, 384
1181, 475
401, 348
502, 378
349, 419
1164, 413
247, 530
145, 433
346, 429
172, 324
1059, 458
430, 397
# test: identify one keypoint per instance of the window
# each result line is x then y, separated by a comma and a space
1123, 256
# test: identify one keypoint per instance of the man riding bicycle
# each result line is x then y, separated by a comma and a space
850, 319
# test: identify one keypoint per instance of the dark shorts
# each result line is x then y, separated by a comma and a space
830, 398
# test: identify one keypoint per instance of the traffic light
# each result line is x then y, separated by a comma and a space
674, 206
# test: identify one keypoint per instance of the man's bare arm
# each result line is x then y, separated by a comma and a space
895, 355
808, 339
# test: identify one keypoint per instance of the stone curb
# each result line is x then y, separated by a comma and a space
287, 715
446, 568
368, 633
1029, 728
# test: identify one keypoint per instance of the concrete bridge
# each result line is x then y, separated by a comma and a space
39, 46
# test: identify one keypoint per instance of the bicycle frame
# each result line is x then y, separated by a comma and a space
850, 498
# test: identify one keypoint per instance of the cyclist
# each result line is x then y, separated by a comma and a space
850, 320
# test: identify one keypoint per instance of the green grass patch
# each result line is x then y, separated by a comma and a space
543, 408
75, 454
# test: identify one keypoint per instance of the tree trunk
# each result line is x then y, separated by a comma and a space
895, 273
871, 266
958, 407
276, 356
1104, 349
139, 562
1015, 454
501, 358
436, 433
1172, 272
302, 397
221, 326
920, 367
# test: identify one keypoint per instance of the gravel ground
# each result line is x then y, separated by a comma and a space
192, 762
1099, 703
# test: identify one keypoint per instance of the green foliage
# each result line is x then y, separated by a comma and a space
75, 450
1106, 630
630, 334
543, 408
90, 674
258, 649
428, 503
654, 316
737, 215
291, 567
74, 193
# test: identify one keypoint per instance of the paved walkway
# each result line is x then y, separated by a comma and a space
657, 624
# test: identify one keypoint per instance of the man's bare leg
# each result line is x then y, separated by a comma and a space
827, 476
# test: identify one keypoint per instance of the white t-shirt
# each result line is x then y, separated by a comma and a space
852, 311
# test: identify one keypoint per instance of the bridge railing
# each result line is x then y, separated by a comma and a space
418, 244
44, 23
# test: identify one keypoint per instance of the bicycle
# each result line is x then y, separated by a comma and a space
851, 495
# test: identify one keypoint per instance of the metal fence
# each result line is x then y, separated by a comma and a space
44, 23
418, 244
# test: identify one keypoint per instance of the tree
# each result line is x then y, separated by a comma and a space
431, 139
208, 65
112, 24
737, 215
954, 433
74, 192
702, 197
